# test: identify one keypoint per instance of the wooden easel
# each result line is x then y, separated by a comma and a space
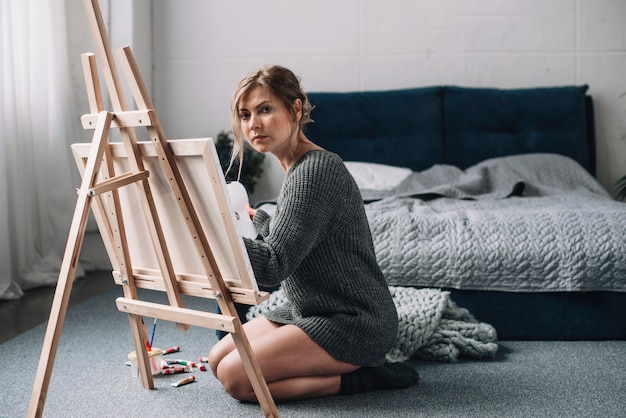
100, 190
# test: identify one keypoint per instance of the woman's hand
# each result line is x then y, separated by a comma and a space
251, 211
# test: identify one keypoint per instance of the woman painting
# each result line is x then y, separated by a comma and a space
340, 320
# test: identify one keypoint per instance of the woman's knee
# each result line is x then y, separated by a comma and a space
214, 361
231, 373
219, 351
216, 355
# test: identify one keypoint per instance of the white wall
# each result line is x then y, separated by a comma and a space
202, 48
128, 22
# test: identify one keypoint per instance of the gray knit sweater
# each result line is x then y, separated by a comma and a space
318, 245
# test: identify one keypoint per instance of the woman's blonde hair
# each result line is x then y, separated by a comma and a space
280, 82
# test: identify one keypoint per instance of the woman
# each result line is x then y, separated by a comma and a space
340, 321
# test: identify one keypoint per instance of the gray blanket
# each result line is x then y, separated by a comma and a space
535, 222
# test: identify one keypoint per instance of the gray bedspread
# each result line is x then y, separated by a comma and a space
535, 222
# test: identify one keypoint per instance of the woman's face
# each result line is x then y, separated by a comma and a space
265, 122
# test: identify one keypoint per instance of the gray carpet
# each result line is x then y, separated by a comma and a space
90, 378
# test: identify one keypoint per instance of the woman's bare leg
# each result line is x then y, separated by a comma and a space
293, 365
255, 327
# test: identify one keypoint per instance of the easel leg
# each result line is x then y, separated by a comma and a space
67, 273
138, 331
59, 307
262, 392
116, 226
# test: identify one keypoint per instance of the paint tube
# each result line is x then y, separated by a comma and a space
184, 381
176, 370
172, 350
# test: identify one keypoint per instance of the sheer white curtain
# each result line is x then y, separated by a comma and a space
37, 173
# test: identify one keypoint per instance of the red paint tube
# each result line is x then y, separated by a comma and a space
172, 350
176, 370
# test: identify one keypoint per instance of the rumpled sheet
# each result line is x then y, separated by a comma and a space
527, 223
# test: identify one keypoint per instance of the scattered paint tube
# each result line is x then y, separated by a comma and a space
176, 370
183, 362
204, 359
172, 350
184, 381
202, 367
171, 362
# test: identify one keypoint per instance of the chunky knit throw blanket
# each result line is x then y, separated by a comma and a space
430, 326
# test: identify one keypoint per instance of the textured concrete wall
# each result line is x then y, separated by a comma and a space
201, 48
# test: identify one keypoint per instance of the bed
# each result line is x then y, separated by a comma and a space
489, 194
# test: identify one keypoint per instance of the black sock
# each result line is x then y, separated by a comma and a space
387, 376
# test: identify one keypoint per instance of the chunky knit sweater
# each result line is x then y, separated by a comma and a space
318, 245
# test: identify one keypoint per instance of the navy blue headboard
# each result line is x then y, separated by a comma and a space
396, 127
484, 123
462, 126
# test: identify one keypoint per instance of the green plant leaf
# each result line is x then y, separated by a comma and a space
252, 167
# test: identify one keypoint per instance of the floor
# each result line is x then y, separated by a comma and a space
18, 316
